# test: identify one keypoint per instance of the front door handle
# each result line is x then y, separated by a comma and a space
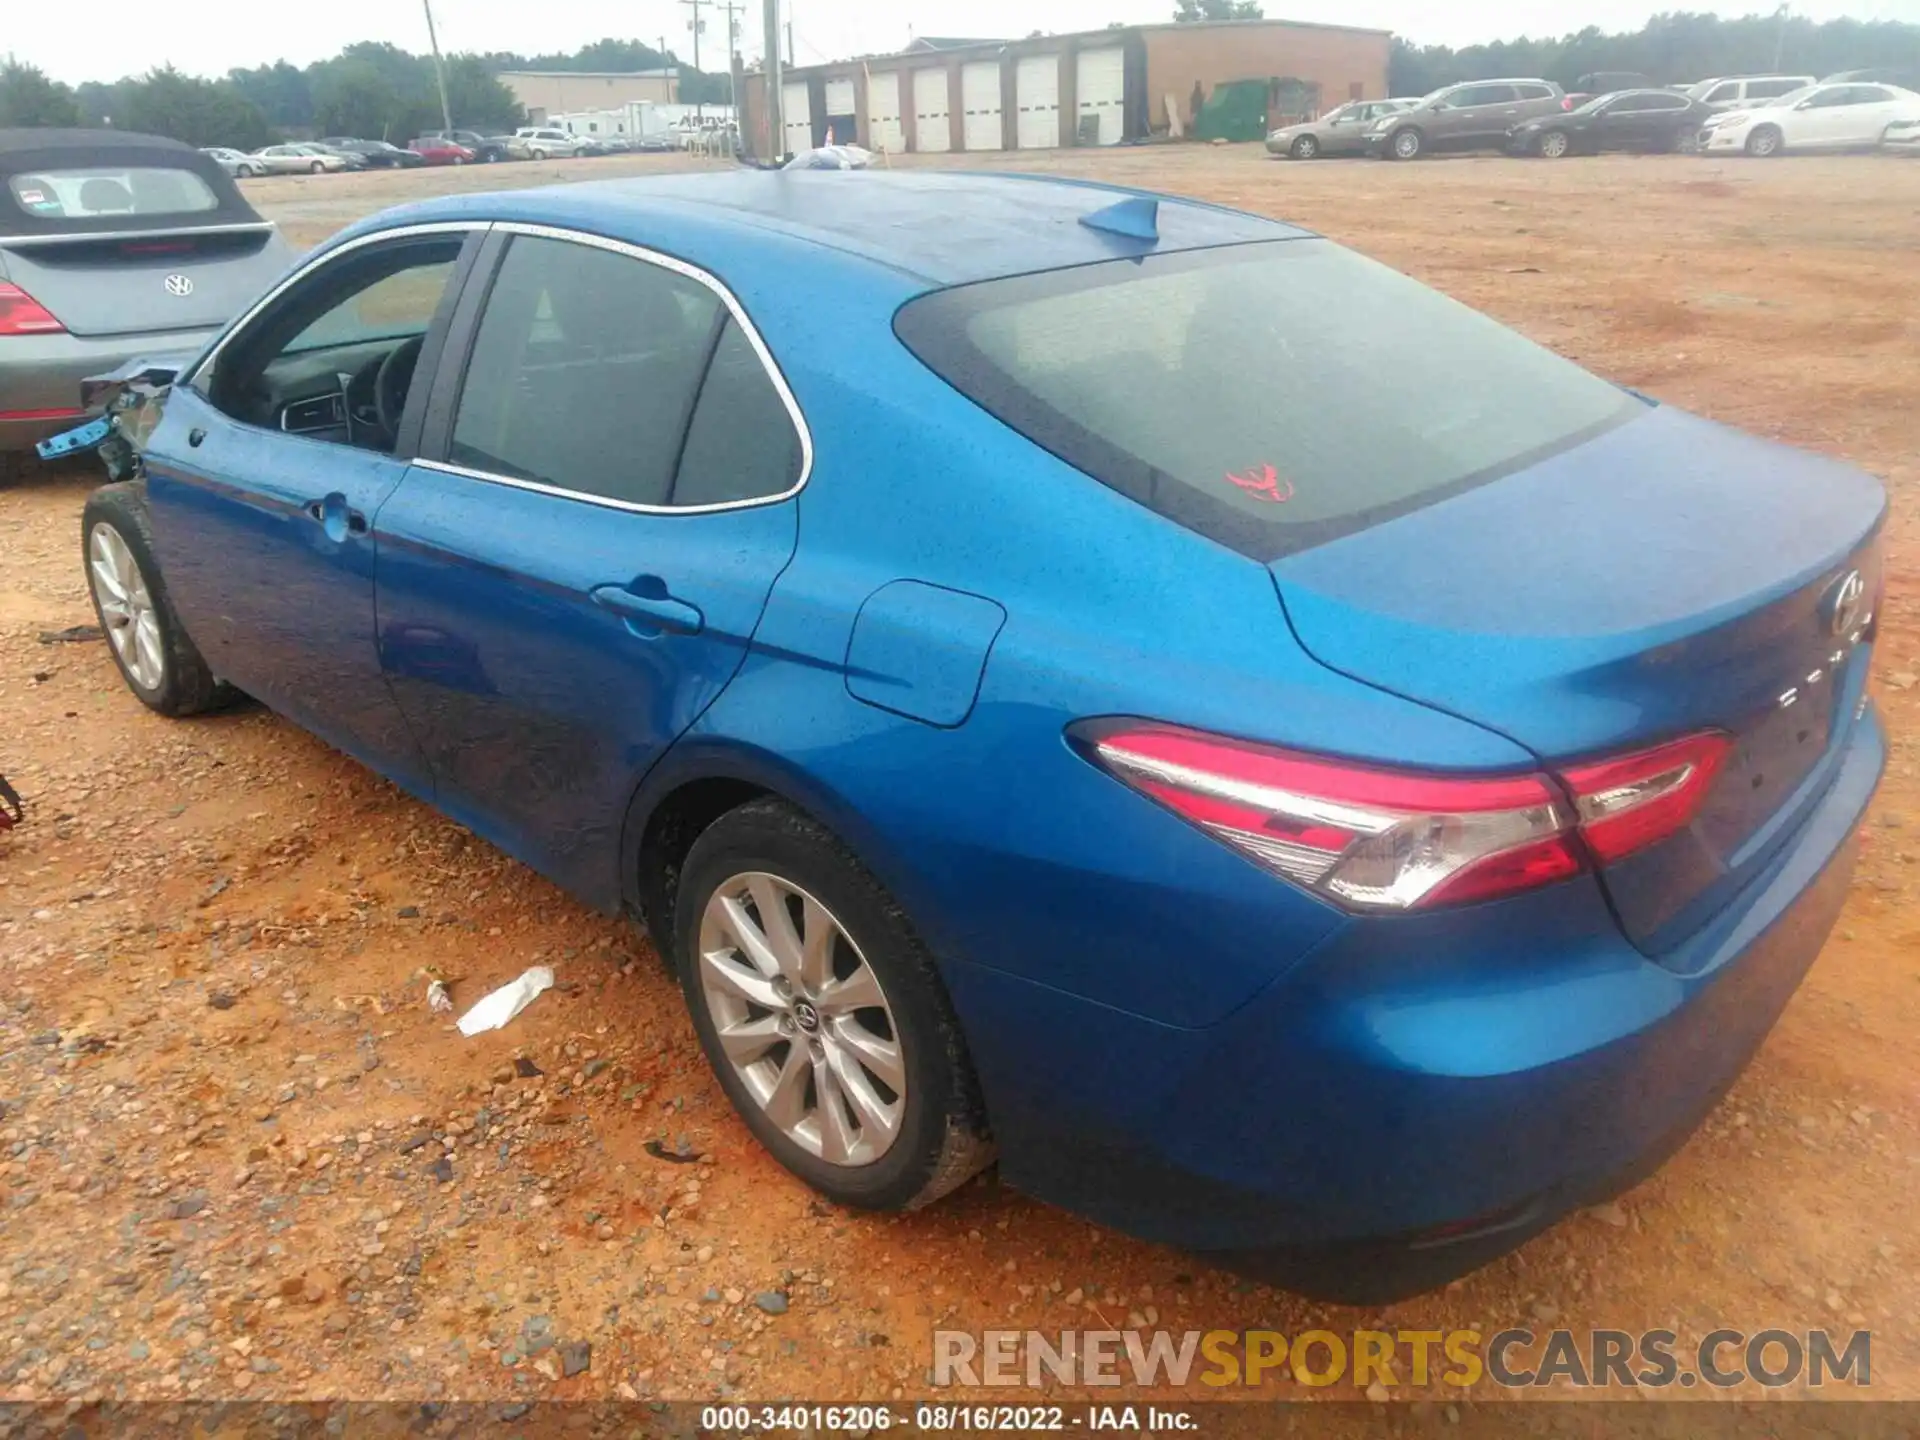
648, 608
338, 518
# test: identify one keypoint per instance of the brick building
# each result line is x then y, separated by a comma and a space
1099, 87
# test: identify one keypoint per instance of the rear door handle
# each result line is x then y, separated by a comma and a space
649, 613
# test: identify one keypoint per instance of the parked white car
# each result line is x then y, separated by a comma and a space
1818, 117
235, 162
545, 141
1903, 136
296, 160
1745, 92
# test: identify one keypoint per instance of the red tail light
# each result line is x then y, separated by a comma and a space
1634, 801
21, 314
1370, 839
1376, 839
1566, 102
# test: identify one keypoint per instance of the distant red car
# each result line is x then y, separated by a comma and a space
441, 152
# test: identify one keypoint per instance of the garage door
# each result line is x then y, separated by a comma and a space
980, 93
1037, 86
883, 112
842, 113
1102, 86
930, 112
798, 117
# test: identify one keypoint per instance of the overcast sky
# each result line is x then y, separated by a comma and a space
206, 37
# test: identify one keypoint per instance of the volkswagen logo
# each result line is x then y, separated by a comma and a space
806, 1016
179, 285
1847, 604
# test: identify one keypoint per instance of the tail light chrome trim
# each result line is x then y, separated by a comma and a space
1373, 839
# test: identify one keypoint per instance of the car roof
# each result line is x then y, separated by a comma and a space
940, 227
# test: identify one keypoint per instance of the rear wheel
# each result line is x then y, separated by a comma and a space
1687, 142
823, 1015
316, 168
537, 154
156, 658
1406, 144
1764, 143
1305, 148
1554, 145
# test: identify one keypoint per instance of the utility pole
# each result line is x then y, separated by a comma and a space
439, 67
770, 80
1780, 39
694, 25
733, 9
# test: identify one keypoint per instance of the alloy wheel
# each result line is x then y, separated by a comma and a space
1407, 144
802, 1019
132, 621
1553, 145
1305, 148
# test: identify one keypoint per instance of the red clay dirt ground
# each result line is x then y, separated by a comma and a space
225, 1100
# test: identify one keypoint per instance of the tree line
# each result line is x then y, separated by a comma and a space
374, 91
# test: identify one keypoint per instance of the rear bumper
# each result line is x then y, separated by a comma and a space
40, 376
1419, 1095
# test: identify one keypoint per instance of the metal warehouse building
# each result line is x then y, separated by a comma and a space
1100, 87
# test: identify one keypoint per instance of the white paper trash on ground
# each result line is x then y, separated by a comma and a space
498, 1007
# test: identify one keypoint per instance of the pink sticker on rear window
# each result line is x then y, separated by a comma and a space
1264, 483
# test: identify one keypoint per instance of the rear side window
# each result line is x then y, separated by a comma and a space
584, 371
107, 190
1770, 89
741, 444
1270, 396
1535, 92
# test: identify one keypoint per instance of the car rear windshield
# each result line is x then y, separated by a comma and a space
110, 190
1270, 396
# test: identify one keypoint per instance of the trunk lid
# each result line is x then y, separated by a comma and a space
148, 281
1668, 576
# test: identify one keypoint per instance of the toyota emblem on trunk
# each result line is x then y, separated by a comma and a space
1846, 605
179, 284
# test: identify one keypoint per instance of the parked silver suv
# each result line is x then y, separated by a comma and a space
1475, 115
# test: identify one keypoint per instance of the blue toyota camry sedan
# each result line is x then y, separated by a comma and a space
1051, 683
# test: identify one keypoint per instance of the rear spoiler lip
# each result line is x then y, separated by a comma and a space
177, 232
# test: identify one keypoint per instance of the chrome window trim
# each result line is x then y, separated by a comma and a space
740, 317
164, 232
318, 262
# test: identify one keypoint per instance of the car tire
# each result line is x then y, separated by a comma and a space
316, 168
1406, 143
767, 852
1686, 142
536, 154
1765, 142
1553, 145
1305, 148
156, 657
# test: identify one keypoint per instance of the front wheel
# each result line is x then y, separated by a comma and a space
1554, 145
315, 168
1306, 148
1764, 143
156, 657
822, 1013
1406, 144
